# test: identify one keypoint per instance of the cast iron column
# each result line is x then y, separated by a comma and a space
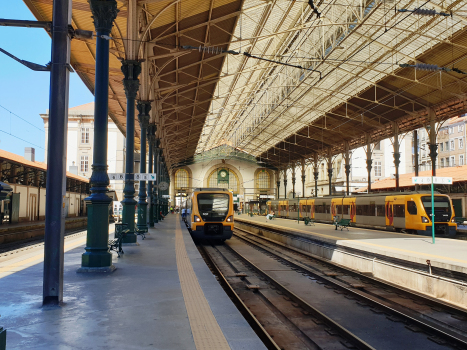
56, 155
415, 150
97, 257
330, 180
293, 187
316, 175
303, 185
278, 182
433, 155
143, 116
397, 161
368, 168
285, 187
159, 192
158, 180
131, 69
347, 177
151, 138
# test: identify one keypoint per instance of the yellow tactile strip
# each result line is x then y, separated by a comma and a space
206, 331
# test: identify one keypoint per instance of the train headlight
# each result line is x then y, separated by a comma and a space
425, 220
230, 218
452, 220
197, 219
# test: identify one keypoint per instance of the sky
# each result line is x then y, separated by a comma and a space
25, 93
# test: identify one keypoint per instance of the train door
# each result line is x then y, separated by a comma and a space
312, 208
398, 212
389, 214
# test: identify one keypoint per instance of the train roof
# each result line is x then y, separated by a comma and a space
201, 189
364, 195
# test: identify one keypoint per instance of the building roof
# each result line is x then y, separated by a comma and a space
458, 174
38, 165
87, 108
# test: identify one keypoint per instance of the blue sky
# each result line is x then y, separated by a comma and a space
25, 92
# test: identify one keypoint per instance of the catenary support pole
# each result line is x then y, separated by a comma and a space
131, 70
143, 116
56, 155
97, 257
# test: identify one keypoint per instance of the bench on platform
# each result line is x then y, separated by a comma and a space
115, 244
141, 233
309, 221
343, 223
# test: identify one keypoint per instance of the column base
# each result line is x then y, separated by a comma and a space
107, 269
129, 238
99, 260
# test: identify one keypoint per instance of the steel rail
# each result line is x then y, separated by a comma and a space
444, 333
251, 319
343, 332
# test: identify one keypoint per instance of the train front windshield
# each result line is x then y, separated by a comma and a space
213, 206
442, 208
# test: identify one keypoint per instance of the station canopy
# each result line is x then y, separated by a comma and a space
283, 80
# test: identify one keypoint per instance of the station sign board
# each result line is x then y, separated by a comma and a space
265, 196
138, 176
165, 196
426, 180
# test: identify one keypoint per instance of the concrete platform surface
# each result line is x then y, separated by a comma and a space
161, 296
446, 253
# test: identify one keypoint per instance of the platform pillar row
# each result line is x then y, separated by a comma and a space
97, 256
131, 70
159, 192
143, 116
151, 141
285, 183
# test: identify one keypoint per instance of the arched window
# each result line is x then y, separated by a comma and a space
232, 185
181, 179
262, 180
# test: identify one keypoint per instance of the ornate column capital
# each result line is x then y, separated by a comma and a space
330, 172
131, 70
293, 180
143, 116
316, 175
103, 14
347, 169
303, 178
397, 158
152, 134
369, 162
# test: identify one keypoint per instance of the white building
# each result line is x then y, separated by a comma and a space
80, 141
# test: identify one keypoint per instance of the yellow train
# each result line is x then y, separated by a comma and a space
408, 211
209, 214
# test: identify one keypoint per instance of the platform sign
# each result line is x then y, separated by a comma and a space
145, 177
165, 196
426, 180
116, 176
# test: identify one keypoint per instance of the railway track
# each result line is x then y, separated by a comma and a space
303, 302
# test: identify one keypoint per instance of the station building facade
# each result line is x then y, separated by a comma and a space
80, 143
224, 167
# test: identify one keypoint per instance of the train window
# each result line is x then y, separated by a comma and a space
411, 208
339, 209
399, 210
327, 209
346, 209
372, 209
380, 210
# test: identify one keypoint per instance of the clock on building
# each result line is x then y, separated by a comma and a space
223, 173
163, 186
223, 176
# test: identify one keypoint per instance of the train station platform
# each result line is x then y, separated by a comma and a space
161, 296
412, 261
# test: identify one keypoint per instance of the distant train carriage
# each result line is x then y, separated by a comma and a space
210, 214
408, 211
